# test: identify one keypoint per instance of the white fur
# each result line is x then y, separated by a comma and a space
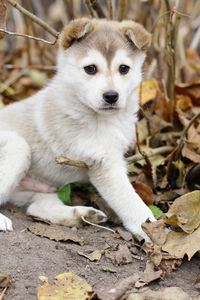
67, 118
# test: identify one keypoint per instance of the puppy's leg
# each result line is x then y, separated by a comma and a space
111, 180
48, 207
14, 163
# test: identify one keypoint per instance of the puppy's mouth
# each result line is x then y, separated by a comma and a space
109, 108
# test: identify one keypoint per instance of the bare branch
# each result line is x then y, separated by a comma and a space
35, 19
28, 36
97, 8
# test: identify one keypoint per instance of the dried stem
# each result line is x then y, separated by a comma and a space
97, 8
96, 225
149, 153
28, 36
89, 7
70, 162
35, 19
123, 9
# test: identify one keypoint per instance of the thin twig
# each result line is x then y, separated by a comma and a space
28, 36
123, 9
3, 293
97, 8
36, 66
96, 225
35, 19
70, 162
149, 153
89, 7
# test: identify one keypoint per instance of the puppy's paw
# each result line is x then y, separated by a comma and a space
5, 223
90, 214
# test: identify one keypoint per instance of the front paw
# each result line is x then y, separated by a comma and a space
5, 223
90, 214
135, 227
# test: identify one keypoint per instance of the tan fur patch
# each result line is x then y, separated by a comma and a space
75, 30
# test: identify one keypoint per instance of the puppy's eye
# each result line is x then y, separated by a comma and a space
91, 69
124, 69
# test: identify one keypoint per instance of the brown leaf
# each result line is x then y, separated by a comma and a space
185, 212
189, 153
118, 290
144, 191
192, 134
3, 9
181, 243
121, 256
93, 256
156, 231
148, 275
148, 90
4, 280
125, 235
66, 286
56, 232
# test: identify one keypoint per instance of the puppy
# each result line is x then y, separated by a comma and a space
87, 112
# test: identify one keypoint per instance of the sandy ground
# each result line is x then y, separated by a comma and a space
25, 256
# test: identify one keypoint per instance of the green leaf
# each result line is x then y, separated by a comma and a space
157, 212
64, 194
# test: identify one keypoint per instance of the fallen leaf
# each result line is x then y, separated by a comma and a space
4, 280
193, 136
185, 212
109, 270
55, 232
134, 296
144, 191
156, 231
118, 290
121, 256
93, 256
125, 235
148, 90
64, 194
148, 275
180, 243
157, 212
66, 286
188, 152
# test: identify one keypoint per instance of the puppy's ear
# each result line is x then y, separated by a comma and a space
136, 34
75, 30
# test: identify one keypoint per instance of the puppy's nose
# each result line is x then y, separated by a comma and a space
111, 97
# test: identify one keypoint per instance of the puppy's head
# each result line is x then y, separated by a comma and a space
101, 61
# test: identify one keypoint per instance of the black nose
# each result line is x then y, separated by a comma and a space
111, 97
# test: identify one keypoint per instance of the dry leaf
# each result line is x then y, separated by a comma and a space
148, 275
121, 256
125, 235
181, 243
185, 212
156, 231
93, 256
192, 134
144, 191
66, 286
55, 232
148, 90
4, 280
189, 153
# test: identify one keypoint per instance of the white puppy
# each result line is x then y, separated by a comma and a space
87, 112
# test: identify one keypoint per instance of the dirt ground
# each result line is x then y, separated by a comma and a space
25, 256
